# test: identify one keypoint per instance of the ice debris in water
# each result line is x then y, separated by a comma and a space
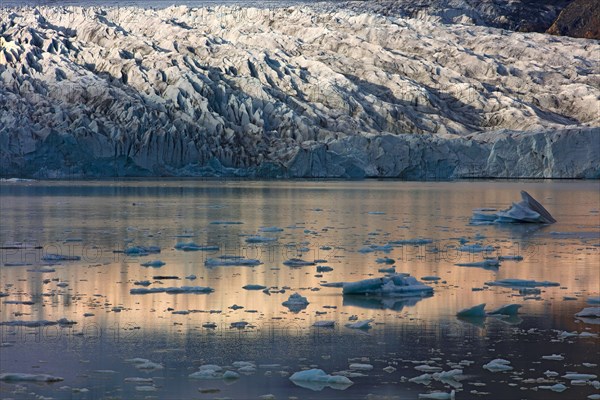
593, 300
254, 287
498, 365
399, 285
482, 264
559, 387
20, 377
270, 229
475, 311
508, 309
593, 312
438, 395
191, 246
298, 262
153, 264
59, 257
521, 283
231, 261
317, 379
324, 324
172, 290
211, 371
260, 239
144, 364
528, 210
366, 324
296, 302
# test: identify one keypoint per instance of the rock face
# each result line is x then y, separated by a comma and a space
581, 18
289, 92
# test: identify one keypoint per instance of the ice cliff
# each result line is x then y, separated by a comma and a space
290, 92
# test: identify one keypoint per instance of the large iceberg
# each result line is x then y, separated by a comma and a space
399, 285
528, 210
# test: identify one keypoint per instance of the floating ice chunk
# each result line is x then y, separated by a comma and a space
588, 312
554, 357
385, 260
211, 371
254, 287
65, 321
361, 367
30, 324
482, 264
430, 278
298, 262
508, 309
182, 312
324, 324
239, 324
317, 379
550, 374
572, 376
559, 387
146, 388
424, 379
230, 375
528, 210
521, 283
513, 258
141, 250
145, 364
376, 213
475, 311
324, 268
191, 246
20, 377
333, 284
427, 368
498, 365
226, 223
260, 239
386, 248
270, 229
389, 369
139, 380
453, 374
365, 324
230, 261
594, 397
172, 290
394, 286
438, 395
153, 264
593, 300
296, 302
59, 257
190, 277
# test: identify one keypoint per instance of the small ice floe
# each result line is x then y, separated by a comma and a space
317, 379
182, 312
365, 324
191, 246
62, 284
235, 307
29, 324
427, 368
554, 357
528, 210
593, 300
165, 277
510, 258
210, 371
140, 251
209, 325
270, 229
144, 364
324, 324
438, 395
385, 260
390, 270
414, 242
517, 283
136, 379
550, 374
558, 387
430, 278
482, 264
45, 270
589, 312
508, 309
59, 257
260, 239
333, 284
296, 302
254, 287
20, 377
191, 277
172, 290
298, 262
360, 367
87, 314
376, 213
153, 264
231, 261
498, 365
399, 285
324, 268
226, 223
573, 376
386, 248
239, 324
22, 302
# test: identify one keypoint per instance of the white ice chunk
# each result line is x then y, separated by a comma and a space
498, 365
438, 395
365, 324
20, 377
588, 312
393, 286
317, 379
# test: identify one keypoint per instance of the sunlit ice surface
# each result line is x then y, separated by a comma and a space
354, 228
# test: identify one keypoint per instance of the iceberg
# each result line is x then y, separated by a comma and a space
509, 309
20, 377
317, 379
172, 290
521, 283
498, 365
475, 311
231, 261
398, 285
589, 312
528, 210
296, 303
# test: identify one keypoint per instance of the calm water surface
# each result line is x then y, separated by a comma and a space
326, 220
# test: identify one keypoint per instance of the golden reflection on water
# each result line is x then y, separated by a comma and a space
336, 214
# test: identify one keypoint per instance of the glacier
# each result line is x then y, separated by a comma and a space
290, 91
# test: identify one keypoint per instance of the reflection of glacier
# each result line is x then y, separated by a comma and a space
289, 92
381, 303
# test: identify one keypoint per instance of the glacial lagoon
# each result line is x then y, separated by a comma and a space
67, 256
